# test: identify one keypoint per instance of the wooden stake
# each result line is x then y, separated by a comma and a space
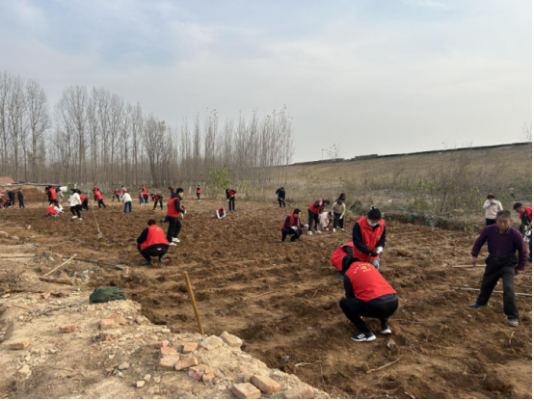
57, 267
497, 292
192, 296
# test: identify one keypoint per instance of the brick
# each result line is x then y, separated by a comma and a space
68, 328
211, 343
161, 344
189, 347
186, 362
168, 362
208, 377
167, 351
302, 391
231, 340
246, 391
106, 324
109, 335
45, 295
140, 383
266, 384
19, 343
196, 372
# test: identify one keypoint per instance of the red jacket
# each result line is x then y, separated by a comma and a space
52, 193
98, 195
367, 282
82, 198
317, 206
337, 257
116, 191
370, 238
156, 236
52, 210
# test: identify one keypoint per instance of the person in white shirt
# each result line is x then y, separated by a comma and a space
492, 206
127, 199
75, 204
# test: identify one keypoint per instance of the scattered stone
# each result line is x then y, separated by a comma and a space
147, 378
196, 372
211, 343
186, 363
189, 347
106, 324
391, 344
157, 379
45, 295
3, 234
167, 350
168, 361
68, 328
165, 331
15, 237
25, 370
302, 391
231, 340
246, 391
266, 384
161, 344
123, 366
140, 383
109, 335
19, 344
208, 377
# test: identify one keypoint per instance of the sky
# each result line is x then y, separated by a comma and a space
388, 76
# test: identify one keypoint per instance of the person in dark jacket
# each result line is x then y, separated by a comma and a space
175, 211
367, 294
525, 214
369, 237
20, 196
11, 196
152, 242
504, 244
230, 195
292, 225
281, 193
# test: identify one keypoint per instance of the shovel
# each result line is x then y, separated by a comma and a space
99, 235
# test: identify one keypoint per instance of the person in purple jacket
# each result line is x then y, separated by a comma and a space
504, 243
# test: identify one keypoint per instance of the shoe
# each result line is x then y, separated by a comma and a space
513, 322
79, 218
161, 260
333, 230
147, 263
172, 244
175, 240
475, 306
362, 337
385, 329
318, 232
326, 229
310, 233
74, 217
342, 229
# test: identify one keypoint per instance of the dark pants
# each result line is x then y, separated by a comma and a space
101, 203
198, 196
21, 203
153, 250
116, 196
54, 202
174, 227
156, 204
286, 232
337, 221
145, 197
128, 205
231, 204
282, 202
500, 268
489, 222
85, 204
313, 217
75, 210
380, 308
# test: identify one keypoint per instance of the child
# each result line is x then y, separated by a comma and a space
324, 220
220, 213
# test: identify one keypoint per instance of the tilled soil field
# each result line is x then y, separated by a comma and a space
282, 299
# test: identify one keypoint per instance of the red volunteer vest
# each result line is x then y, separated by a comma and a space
51, 210
314, 209
156, 236
370, 238
82, 198
198, 190
337, 257
157, 197
367, 282
171, 210
98, 195
221, 211
117, 191
528, 211
52, 194
291, 221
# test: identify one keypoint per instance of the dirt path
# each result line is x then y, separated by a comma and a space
282, 299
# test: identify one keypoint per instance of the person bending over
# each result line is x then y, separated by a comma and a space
341, 258
313, 214
369, 237
220, 213
292, 226
152, 243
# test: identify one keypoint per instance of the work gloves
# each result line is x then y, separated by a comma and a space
379, 250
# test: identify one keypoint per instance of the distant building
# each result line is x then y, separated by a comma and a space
6, 180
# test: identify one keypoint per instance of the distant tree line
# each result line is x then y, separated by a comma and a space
92, 136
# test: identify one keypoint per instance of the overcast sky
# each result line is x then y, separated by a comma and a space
374, 76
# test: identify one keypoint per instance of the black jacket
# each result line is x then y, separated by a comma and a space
357, 239
281, 193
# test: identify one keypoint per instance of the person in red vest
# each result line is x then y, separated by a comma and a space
100, 199
341, 258
230, 195
53, 196
525, 214
220, 213
94, 193
369, 237
171, 190
53, 211
199, 190
313, 214
292, 225
124, 189
152, 242
367, 294
157, 197
116, 194
175, 211
145, 194
85, 202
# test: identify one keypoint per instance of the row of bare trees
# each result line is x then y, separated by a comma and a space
92, 136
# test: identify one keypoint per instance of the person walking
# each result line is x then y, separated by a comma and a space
339, 210
175, 211
20, 196
525, 214
127, 200
152, 242
313, 214
75, 204
100, 199
281, 193
369, 237
492, 206
507, 258
199, 190
230, 195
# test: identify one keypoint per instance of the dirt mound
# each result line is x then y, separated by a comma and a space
282, 299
